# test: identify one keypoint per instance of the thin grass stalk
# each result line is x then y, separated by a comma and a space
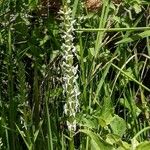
124, 65
139, 133
127, 75
147, 24
102, 24
36, 99
50, 139
114, 29
7, 139
87, 142
62, 141
75, 8
82, 66
11, 92
143, 100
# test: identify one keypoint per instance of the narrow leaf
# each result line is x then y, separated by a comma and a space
135, 37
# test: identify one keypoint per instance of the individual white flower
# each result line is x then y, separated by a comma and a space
65, 109
68, 1
1, 143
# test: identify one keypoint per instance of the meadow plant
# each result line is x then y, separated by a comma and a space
70, 87
106, 55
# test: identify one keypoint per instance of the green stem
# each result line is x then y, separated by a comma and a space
113, 29
71, 142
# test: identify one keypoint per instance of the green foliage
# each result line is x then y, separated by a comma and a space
143, 146
118, 126
113, 55
96, 141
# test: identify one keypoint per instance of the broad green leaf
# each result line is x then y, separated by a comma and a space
118, 125
143, 146
97, 141
106, 111
124, 146
105, 119
112, 138
89, 123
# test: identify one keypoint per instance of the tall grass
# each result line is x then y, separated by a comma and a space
112, 55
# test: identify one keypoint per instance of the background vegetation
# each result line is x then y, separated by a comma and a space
113, 55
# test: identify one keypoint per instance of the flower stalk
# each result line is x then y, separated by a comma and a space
69, 70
